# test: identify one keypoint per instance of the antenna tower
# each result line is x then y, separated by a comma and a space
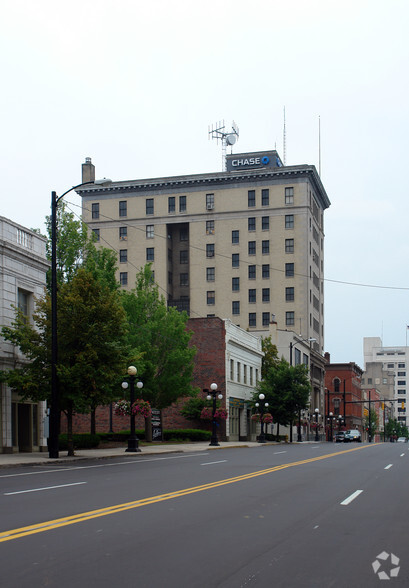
228, 138
284, 142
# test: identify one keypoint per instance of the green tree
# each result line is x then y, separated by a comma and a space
159, 334
286, 389
270, 358
394, 427
92, 354
371, 422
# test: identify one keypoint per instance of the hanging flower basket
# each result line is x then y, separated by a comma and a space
207, 414
255, 417
142, 407
267, 418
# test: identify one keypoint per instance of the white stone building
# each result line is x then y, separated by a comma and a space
23, 267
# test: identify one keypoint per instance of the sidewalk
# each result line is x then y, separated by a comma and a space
20, 459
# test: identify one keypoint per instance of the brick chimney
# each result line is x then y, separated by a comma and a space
88, 171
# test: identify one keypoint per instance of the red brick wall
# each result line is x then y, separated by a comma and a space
209, 338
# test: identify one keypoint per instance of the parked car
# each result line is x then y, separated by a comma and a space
352, 435
402, 440
340, 437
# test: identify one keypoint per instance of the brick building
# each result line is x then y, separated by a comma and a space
226, 355
344, 394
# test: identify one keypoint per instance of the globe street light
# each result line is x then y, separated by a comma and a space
262, 437
212, 394
133, 441
55, 396
316, 430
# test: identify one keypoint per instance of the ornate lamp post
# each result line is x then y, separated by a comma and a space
330, 423
262, 437
133, 441
317, 411
55, 393
212, 396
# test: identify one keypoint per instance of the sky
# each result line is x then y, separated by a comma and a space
134, 85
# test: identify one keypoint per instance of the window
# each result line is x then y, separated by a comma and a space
235, 307
401, 391
235, 236
23, 299
401, 382
265, 223
289, 221
265, 270
170, 278
232, 369
238, 371
251, 375
95, 210
123, 255
171, 204
183, 235
235, 260
265, 247
402, 374
209, 201
252, 272
266, 319
184, 256
123, 208
289, 318
123, 233
210, 250
289, 294
150, 253
251, 198
210, 297
244, 374
297, 356
96, 234
210, 273
123, 278
252, 296
401, 365
149, 232
289, 245
252, 247
210, 227
265, 197
252, 319
149, 206
251, 223
184, 279
182, 203
266, 294
289, 270
289, 196
235, 284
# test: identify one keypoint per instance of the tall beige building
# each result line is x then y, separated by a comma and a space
245, 244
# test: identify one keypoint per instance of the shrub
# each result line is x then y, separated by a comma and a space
80, 440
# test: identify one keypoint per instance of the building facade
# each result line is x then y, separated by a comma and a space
243, 244
394, 362
344, 397
23, 268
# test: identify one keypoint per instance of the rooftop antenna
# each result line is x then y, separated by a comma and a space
228, 138
284, 142
319, 145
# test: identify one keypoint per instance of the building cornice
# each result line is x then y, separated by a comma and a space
213, 180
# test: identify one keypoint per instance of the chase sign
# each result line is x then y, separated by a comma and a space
245, 161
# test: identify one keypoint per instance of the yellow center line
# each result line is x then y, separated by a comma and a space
93, 514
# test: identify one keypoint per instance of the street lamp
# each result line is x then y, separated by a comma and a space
316, 429
133, 441
330, 422
55, 396
262, 437
212, 394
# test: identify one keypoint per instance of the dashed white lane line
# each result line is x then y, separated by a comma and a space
45, 488
351, 498
388, 467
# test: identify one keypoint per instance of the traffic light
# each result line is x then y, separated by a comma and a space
383, 406
403, 406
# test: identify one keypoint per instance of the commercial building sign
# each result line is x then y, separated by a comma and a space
243, 161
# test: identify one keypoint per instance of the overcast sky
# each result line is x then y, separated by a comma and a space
134, 85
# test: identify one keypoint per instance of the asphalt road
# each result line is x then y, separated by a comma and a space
310, 515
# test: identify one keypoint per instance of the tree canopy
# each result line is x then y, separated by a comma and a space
159, 334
